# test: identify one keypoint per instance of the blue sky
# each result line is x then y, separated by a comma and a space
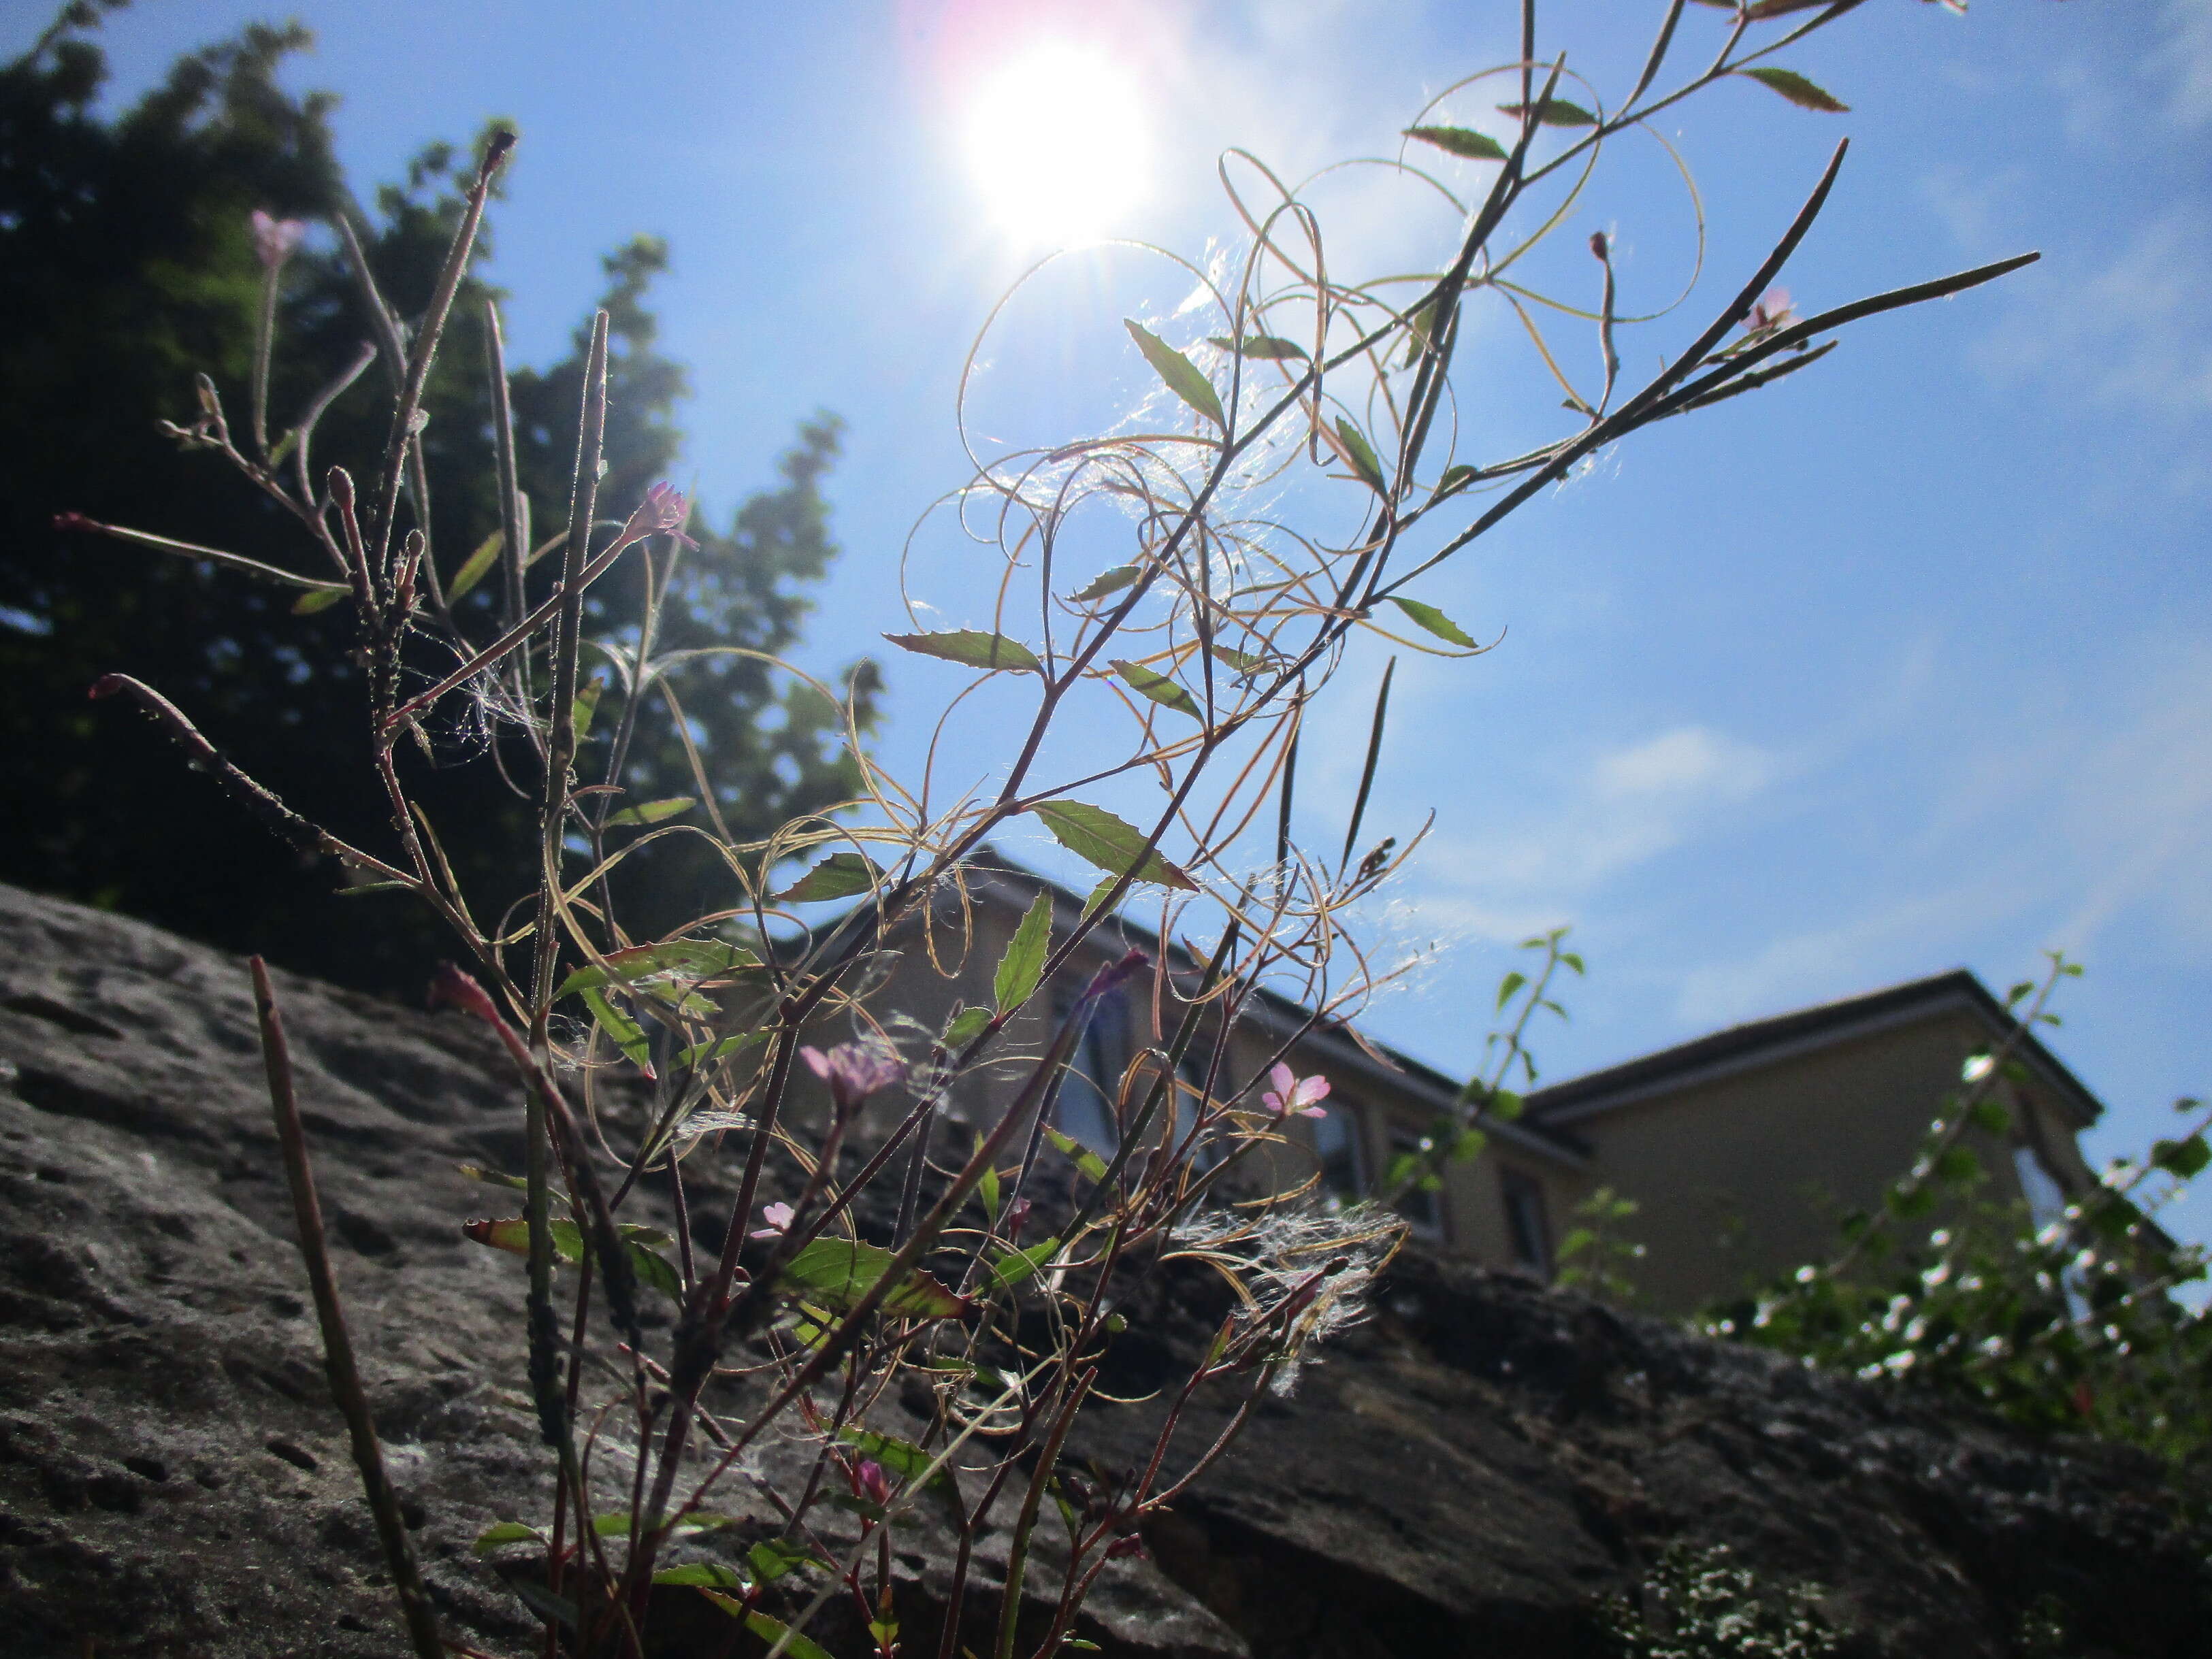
1903, 666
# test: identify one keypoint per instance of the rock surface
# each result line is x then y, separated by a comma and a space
1465, 1473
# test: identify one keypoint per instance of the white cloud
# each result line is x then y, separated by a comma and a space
2138, 810
1622, 808
2185, 54
1691, 760
1900, 940
2128, 336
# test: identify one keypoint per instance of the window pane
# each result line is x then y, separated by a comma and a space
1425, 1209
1527, 1228
1085, 1112
1336, 1144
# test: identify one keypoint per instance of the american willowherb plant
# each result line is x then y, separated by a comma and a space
893, 1282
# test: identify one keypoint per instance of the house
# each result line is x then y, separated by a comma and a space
1742, 1149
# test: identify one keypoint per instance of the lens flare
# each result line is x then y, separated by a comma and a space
1056, 139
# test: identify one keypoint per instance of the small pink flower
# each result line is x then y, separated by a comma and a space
853, 1071
778, 1216
1774, 310
1295, 1094
274, 239
875, 1486
662, 512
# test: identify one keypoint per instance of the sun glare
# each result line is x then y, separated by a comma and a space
1056, 139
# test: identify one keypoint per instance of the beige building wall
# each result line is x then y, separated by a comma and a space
1747, 1176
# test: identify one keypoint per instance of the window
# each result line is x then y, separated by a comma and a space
1088, 1087
2046, 1198
1336, 1145
1527, 1228
1425, 1210
1189, 1098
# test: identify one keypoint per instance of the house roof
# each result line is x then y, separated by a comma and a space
1768, 1041
1344, 1051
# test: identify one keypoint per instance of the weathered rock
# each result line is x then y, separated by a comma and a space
1464, 1473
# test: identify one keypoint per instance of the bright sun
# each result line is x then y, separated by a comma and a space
1056, 139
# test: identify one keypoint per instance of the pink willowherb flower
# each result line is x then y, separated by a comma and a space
1293, 1094
662, 512
875, 1486
274, 239
1774, 310
778, 1216
853, 1071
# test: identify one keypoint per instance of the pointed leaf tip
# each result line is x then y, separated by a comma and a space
1096, 836
1799, 90
1460, 141
1183, 377
976, 647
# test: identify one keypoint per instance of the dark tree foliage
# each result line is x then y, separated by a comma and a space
126, 266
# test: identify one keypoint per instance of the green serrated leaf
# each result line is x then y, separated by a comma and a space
1243, 661
1460, 141
1162, 688
1955, 1164
1085, 1160
706, 1053
1506, 986
1109, 581
2185, 1158
505, 1533
652, 812
477, 567
1183, 377
986, 1189
1017, 1266
587, 705
963, 1028
625, 1033
654, 1269
772, 1630
703, 1575
772, 1558
666, 971
556, 1609
642, 1245
902, 1457
1455, 478
317, 599
493, 1177
1429, 617
1798, 90
615, 1523
975, 647
1096, 836
1360, 454
1023, 965
841, 875
1265, 348
1553, 112
1099, 895
839, 1273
